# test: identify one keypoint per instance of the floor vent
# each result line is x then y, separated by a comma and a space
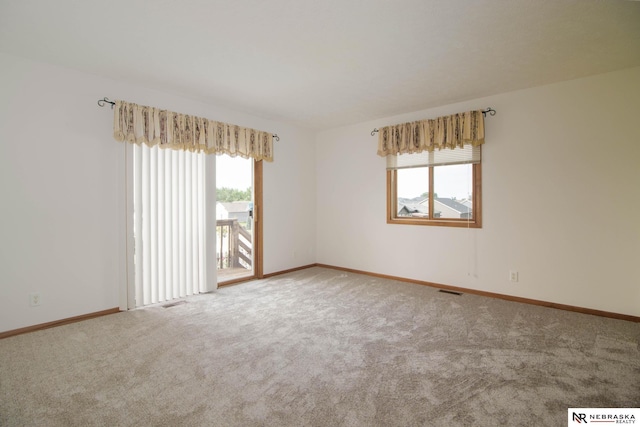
173, 304
450, 292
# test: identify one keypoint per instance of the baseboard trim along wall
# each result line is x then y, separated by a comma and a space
291, 270
55, 323
490, 294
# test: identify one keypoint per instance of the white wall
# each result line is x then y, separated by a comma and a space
561, 199
62, 190
290, 202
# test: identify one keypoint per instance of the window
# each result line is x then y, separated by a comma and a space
441, 188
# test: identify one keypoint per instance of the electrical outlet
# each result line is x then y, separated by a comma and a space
34, 299
513, 276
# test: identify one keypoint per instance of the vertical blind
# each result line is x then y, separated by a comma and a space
169, 224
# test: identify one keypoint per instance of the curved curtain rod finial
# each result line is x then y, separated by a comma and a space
276, 137
105, 100
376, 130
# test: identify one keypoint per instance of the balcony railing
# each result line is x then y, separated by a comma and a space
234, 247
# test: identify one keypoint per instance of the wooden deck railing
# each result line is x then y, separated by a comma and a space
234, 245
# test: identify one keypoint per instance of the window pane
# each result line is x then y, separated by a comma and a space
453, 191
234, 217
412, 192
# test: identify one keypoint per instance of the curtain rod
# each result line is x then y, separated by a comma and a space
105, 100
489, 111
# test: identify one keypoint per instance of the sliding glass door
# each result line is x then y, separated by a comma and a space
176, 246
238, 197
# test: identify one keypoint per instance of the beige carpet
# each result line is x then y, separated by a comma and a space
321, 347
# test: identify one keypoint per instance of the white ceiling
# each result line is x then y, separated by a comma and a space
326, 63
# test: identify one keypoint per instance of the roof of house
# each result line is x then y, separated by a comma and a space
236, 206
468, 203
453, 204
412, 201
414, 208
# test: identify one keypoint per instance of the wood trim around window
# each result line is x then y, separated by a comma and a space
257, 202
476, 222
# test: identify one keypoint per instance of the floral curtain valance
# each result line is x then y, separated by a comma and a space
452, 131
140, 124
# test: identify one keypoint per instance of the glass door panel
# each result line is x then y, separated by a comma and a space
235, 227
